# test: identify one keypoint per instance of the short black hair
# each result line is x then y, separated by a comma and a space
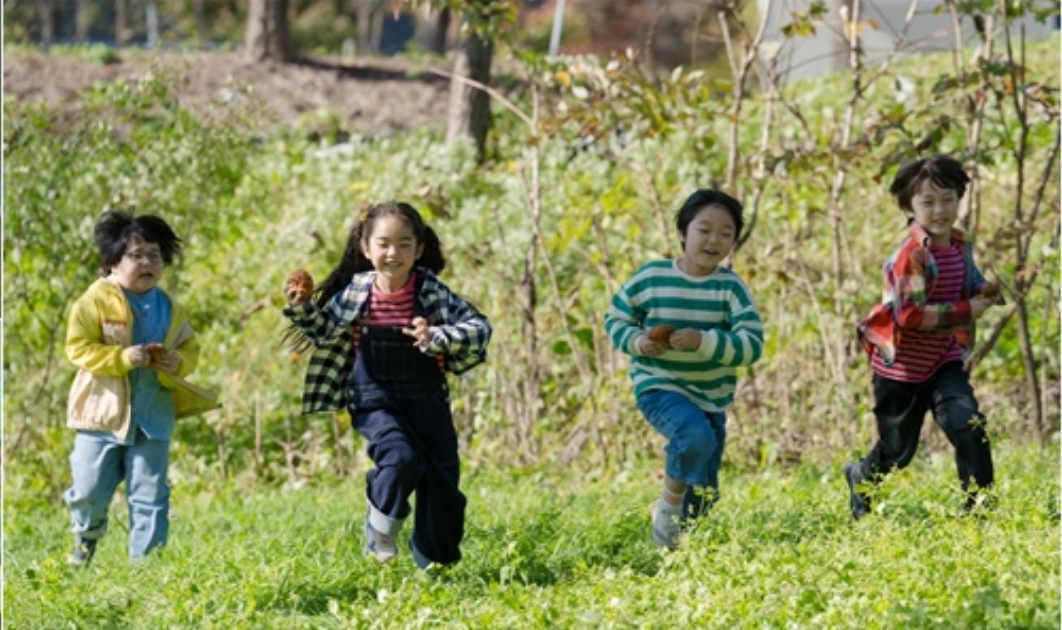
942, 170
115, 228
707, 197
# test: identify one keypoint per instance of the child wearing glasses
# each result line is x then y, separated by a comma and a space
133, 346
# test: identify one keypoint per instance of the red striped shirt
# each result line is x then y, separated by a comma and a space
921, 352
388, 309
391, 309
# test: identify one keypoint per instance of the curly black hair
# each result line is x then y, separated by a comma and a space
115, 228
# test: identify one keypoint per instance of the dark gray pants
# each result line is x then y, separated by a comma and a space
900, 409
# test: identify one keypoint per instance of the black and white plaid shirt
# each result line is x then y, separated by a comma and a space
460, 334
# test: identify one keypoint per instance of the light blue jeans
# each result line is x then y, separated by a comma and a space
98, 464
695, 441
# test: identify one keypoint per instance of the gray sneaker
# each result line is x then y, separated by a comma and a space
858, 502
379, 545
666, 528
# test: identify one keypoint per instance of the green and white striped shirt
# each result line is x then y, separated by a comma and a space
719, 305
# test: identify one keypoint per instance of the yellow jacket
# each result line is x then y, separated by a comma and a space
99, 331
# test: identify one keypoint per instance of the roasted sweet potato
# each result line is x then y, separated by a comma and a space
302, 282
157, 352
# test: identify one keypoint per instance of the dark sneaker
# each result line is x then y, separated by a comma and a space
432, 569
379, 545
858, 502
978, 503
84, 549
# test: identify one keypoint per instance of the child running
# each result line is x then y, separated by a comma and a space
920, 335
132, 344
385, 330
687, 325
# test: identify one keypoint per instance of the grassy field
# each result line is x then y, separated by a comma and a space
550, 550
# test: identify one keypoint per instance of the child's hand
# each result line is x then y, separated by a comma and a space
686, 339
418, 329
298, 287
650, 347
138, 356
656, 340
979, 304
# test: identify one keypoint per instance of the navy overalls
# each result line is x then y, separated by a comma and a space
401, 405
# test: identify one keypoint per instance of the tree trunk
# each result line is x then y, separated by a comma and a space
442, 27
267, 30
82, 21
469, 116
200, 23
120, 19
46, 9
151, 22
134, 17
364, 11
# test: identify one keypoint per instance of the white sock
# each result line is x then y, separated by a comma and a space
675, 501
663, 507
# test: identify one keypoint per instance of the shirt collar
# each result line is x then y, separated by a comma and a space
920, 236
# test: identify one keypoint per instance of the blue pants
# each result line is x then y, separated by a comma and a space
98, 464
695, 444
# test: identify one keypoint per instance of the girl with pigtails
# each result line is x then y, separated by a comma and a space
384, 330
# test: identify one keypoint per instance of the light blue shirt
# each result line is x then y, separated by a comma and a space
153, 407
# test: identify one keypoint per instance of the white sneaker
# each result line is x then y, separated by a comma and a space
378, 545
666, 528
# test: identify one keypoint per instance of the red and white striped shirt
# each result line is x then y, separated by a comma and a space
921, 352
391, 309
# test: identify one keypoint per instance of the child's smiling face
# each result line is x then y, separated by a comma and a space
140, 268
708, 240
392, 248
935, 209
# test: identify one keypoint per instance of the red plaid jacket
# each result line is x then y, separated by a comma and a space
910, 276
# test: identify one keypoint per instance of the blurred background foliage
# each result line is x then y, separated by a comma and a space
676, 32
591, 156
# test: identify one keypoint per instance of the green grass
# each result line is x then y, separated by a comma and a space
550, 550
